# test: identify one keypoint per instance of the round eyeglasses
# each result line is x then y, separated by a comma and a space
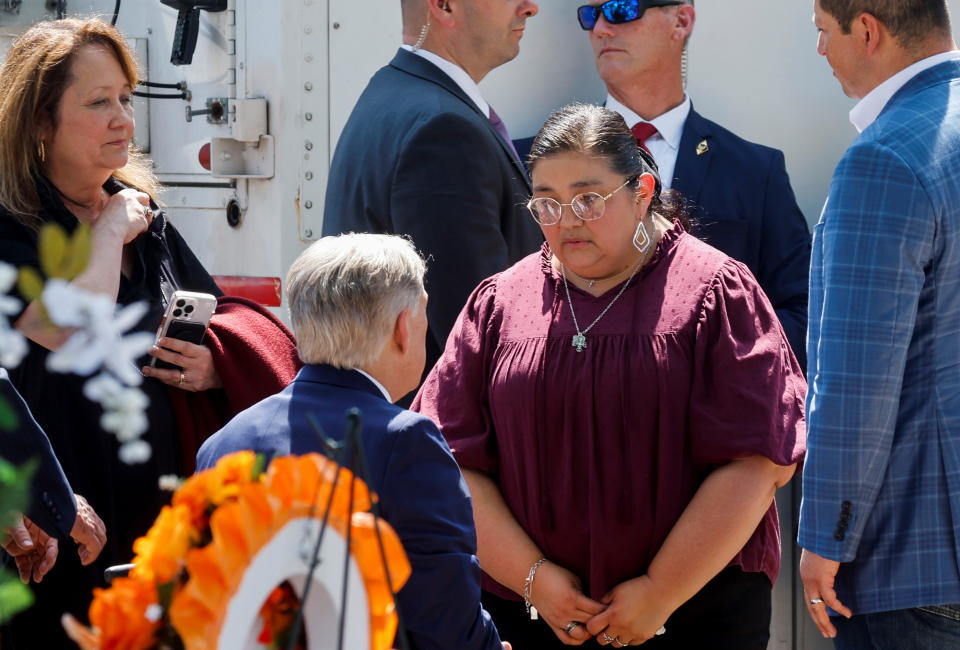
588, 206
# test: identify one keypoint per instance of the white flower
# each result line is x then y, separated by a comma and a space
134, 452
8, 277
153, 613
99, 339
9, 306
13, 347
169, 482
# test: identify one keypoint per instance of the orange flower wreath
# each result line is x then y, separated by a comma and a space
191, 562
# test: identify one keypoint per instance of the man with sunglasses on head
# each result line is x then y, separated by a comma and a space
424, 155
741, 199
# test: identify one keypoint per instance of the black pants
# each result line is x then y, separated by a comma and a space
732, 612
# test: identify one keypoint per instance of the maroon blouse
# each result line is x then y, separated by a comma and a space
597, 453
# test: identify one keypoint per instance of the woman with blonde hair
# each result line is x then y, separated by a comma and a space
66, 157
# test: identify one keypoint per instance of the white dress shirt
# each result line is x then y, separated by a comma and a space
376, 383
458, 74
665, 144
869, 108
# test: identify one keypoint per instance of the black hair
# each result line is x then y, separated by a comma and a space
598, 131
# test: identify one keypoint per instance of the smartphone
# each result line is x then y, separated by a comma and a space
187, 317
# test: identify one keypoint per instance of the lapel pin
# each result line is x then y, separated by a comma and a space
702, 148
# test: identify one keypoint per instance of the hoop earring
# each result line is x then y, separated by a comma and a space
42, 152
423, 35
641, 238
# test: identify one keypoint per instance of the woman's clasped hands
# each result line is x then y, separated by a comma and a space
630, 614
636, 611
558, 596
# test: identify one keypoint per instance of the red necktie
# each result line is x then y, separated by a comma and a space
642, 131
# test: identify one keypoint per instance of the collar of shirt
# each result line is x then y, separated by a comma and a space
669, 125
869, 108
376, 383
458, 74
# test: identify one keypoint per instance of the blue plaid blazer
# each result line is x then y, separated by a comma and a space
881, 479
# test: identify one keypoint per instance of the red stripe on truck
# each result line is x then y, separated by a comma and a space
265, 291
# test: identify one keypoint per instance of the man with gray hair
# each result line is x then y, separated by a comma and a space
358, 310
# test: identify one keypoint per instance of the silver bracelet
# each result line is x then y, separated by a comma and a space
528, 586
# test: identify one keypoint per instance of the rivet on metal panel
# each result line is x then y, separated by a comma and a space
308, 116
308, 86
308, 233
308, 176
308, 145
308, 205
308, 58
336, 25
308, 29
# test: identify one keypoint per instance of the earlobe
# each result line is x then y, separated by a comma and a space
401, 331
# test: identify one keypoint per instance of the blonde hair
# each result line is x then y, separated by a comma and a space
346, 292
33, 78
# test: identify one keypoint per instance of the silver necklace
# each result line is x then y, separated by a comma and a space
579, 339
590, 282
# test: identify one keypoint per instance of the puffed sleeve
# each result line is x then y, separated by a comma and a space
748, 389
455, 392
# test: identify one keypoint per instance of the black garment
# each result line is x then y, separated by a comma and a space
126, 497
418, 158
52, 506
732, 612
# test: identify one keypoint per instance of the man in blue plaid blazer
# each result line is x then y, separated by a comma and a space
880, 519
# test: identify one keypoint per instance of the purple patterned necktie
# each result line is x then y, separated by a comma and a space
501, 128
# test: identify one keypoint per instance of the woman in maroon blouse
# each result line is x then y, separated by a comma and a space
624, 405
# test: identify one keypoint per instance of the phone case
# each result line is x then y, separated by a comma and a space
185, 331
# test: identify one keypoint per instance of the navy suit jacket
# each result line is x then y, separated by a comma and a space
418, 158
741, 202
52, 506
422, 493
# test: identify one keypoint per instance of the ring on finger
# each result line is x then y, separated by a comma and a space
609, 639
183, 379
146, 212
571, 626
816, 601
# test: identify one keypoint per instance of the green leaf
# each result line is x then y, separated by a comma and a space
14, 596
53, 248
259, 465
8, 417
15, 489
78, 253
29, 283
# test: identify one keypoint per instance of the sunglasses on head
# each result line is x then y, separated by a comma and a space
618, 11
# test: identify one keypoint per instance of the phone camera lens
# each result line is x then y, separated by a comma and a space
188, 309
177, 313
181, 303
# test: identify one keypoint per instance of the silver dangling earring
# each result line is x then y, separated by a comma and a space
42, 152
683, 66
641, 239
423, 35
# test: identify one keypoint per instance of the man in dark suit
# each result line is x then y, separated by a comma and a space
358, 310
424, 155
739, 193
55, 512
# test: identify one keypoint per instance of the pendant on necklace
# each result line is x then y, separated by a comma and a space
579, 341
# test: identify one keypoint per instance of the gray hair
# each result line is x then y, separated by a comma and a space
345, 293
